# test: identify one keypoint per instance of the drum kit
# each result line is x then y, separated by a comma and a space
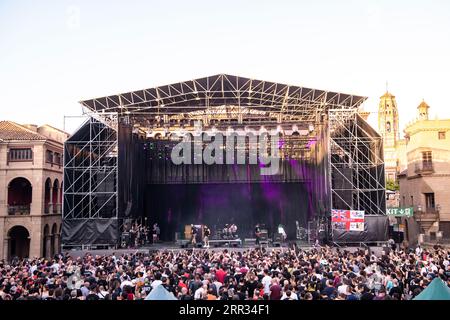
228, 232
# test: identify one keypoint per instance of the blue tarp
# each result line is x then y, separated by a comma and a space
160, 293
436, 290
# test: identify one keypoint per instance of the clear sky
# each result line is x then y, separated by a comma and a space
55, 53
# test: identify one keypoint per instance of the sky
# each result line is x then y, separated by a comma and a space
56, 53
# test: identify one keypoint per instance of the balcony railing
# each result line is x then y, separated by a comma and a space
57, 208
53, 208
428, 214
21, 210
425, 167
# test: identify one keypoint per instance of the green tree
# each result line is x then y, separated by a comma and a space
392, 185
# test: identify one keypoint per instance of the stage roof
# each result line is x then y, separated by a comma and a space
228, 90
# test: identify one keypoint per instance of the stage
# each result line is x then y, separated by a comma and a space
172, 246
222, 150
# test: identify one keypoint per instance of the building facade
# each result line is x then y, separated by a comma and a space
424, 184
31, 183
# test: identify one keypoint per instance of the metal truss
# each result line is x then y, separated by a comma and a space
281, 101
356, 163
91, 169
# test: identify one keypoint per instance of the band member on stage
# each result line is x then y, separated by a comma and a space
193, 235
282, 232
226, 231
156, 232
144, 234
133, 235
138, 236
206, 234
257, 233
233, 231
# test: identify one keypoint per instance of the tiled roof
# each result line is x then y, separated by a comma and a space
423, 104
12, 131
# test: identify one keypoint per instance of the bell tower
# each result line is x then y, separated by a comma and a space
388, 120
422, 110
388, 127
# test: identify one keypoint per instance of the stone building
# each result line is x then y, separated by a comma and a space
31, 180
424, 184
388, 127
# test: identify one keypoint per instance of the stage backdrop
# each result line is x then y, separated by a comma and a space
244, 204
151, 186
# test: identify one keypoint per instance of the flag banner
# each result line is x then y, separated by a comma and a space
400, 212
349, 220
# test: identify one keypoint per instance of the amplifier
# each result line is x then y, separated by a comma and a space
278, 237
125, 239
264, 235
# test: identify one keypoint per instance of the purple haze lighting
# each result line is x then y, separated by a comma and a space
271, 191
311, 143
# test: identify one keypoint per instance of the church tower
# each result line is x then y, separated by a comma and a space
388, 127
388, 120
422, 110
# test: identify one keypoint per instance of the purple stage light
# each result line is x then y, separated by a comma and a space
311, 143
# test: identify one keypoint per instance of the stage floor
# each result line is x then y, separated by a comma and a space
172, 246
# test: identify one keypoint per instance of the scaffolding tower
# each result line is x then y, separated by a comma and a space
356, 164
90, 176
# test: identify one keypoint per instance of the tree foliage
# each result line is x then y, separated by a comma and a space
392, 185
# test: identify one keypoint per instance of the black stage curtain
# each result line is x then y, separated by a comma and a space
152, 187
133, 162
161, 169
90, 231
244, 204
375, 229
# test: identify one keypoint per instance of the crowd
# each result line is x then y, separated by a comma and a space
246, 274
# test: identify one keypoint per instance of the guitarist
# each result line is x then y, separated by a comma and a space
257, 233
206, 234
193, 235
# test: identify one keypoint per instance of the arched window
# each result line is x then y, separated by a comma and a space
47, 196
19, 196
55, 196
